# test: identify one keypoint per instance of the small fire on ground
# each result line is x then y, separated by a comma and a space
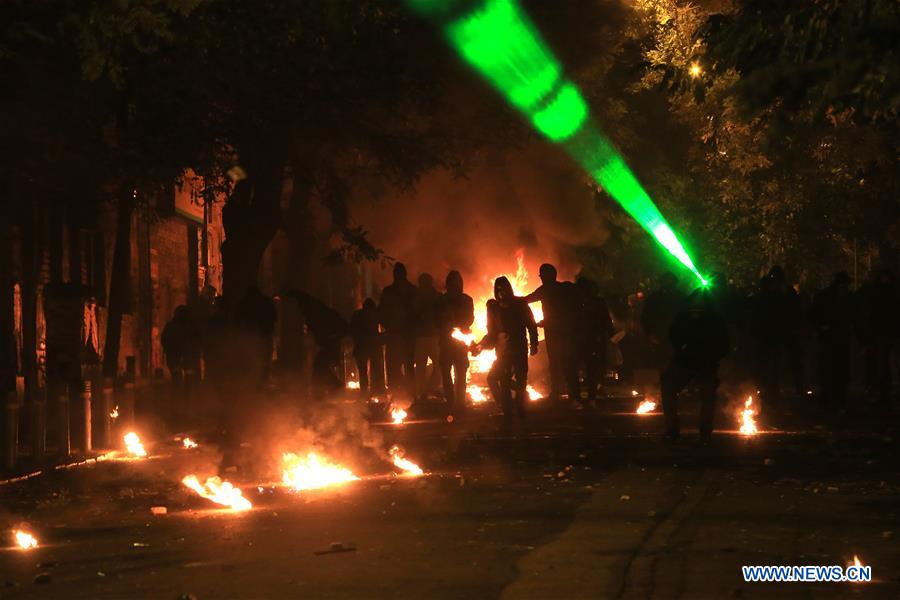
25, 540
220, 492
311, 472
133, 445
748, 418
398, 415
352, 385
646, 406
188, 443
408, 467
114, 413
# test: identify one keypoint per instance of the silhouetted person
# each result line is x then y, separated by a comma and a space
455, 310
878, 328
202, 310
510, 327
181, 343
426, 345
597, 327
328, 329
658, 312
367, 347
398, 317
699, 338
255, 316
832, 314
560, 305
777, 317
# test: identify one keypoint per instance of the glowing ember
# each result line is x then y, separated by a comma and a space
748, 418
465, 338
114, 413
476, 393
312, 472
188, 443
408, 468
25, 540
398, 415
352, 385
533, 394
133, 444
220, 492
646, 406
635, 393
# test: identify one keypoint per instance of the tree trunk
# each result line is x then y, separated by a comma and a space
8, 413
33, 400
120, 284
251, 216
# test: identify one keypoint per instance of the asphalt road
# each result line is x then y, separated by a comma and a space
565, 506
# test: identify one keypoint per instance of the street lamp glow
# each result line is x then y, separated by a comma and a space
695, 70
503, 45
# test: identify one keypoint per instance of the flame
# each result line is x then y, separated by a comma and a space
114, 413
352, 385
408, 468
635, 393
398, 415
857, 562
465, 338
25, 540
312, 472
220, 492
646, 406
533, 394
483, 362
133, 444
476, 393
188, 443
748, 420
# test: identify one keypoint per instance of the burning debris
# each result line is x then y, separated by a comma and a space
220, 492
312, 472
352, 385
748, 418
188, 443
645, 407
24, 540
114, 413
477, 393
133, 445
533, 394
398, 415
408, 467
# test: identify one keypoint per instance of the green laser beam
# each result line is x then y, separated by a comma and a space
502, 44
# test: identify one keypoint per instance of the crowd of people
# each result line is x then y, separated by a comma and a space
417, 339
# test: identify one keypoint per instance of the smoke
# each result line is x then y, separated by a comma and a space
531, 198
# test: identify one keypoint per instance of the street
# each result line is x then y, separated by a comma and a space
564, 506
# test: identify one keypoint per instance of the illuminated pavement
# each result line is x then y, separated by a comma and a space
565, 507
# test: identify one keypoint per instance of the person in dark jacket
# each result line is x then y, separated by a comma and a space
328, 328
832, 314
658, 312
426, 344
255, 317
699, 338
398, 317
510, 328
879, 327
181, 344
597, 327
367, 348
560, 304
454, 310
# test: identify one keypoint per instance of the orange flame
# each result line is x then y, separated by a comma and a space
748, 418
188, 443
398, 415
352, 385
25, 540
312, 472
220, 492
476, 393
533, 394
857, 562
408, 467
114, 413
133, 445
646, 406
465, 338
